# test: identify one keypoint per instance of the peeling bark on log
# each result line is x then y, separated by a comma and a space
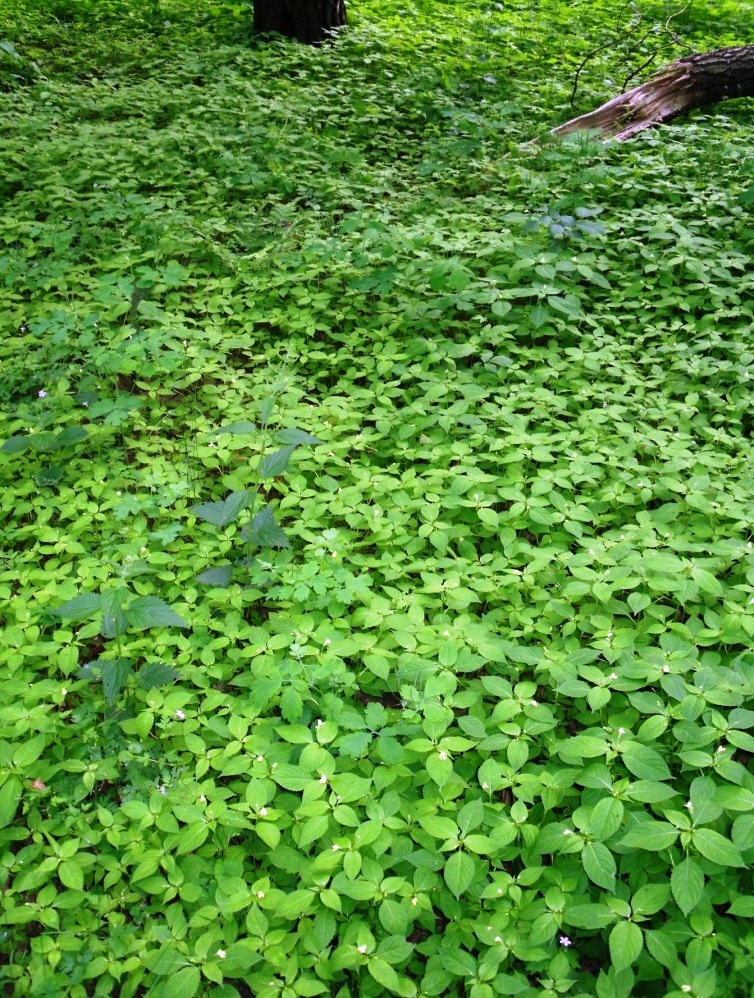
694, 81
310, 21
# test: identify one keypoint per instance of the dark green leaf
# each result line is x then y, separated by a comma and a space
276, 463
150, 611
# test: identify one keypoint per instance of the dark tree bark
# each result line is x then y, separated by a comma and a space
694, 81
311, 21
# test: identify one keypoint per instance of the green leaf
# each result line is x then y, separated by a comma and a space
16, 445
80, 607
687, 884
71, 435
219, 577
295, 437
224, 511
743, 907
650, 835
156, 674
241, 427
644, 762
182, 984
599, 864
150, 611
113, 671
384, 974
588, 916
71, 875
716, 848
626, 943
650, 898
114, 620
276, 463
10, 796
606, 818
264, 531
459, 872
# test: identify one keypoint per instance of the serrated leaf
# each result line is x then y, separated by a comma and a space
276, 463
16, 445
80, 607
716, 848
459, 872
71, 875
156, 674
650, 835
114, 673
606, 818
219, 577
650, 898
599, 864
687, 884
184, 983
151, 611
295, 437
265, 532
113, 618
224, 511
384, 974
626, 943
71, 435
644, 762
743, 907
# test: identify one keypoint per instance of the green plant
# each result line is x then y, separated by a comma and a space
118, 611
260, 531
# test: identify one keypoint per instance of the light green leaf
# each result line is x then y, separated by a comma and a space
606, 818
224, 511
626, 943
644, 762
716, 848
650, 835
459, 872
10, 795
599, 864
183, 984
687, 884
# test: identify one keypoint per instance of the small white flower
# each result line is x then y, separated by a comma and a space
362, 948
666, 669
621, 731
162, 790
262, 812
221, 953
414, 901
689, 806
686, 988
335, 847
42, 394
180, 716
323, 778
613, 675
260, 894
565, 941
442, 755
260, 758
320, 722
567, 831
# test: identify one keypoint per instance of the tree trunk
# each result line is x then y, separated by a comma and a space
310, 21
694, 81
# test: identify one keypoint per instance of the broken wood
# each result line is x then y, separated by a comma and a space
691, 82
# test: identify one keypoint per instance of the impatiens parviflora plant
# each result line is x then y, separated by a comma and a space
119, 610
260, 529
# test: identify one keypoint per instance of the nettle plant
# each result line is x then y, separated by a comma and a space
119, 610
260, 530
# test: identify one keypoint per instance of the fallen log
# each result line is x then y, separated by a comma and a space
691, 82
